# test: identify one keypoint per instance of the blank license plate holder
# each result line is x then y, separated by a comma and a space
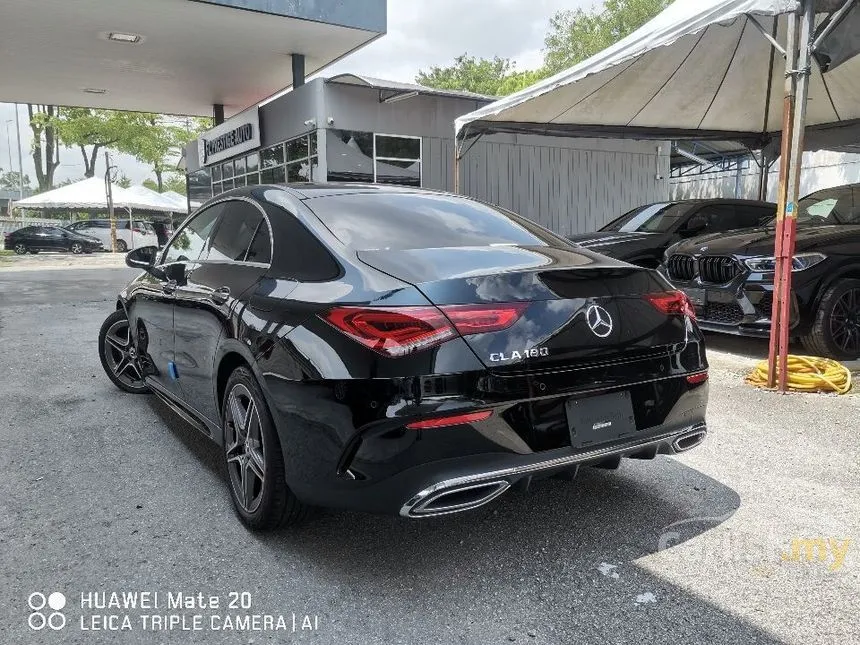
600, 419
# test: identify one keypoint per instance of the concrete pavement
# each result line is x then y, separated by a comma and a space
106, 491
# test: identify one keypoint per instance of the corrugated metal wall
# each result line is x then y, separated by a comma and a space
568, 185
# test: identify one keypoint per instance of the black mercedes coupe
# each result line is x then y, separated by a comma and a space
401, 351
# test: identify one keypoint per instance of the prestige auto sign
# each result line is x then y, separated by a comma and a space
236, 135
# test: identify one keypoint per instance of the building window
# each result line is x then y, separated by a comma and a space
397, 160
366, 157
295, 160
199, 185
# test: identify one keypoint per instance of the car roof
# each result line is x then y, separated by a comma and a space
716, 201
311, 190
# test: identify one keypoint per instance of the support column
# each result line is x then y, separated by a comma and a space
298, 70
218, 113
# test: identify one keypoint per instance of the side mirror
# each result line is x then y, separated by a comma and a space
144, 258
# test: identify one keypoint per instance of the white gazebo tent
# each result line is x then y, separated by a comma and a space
156, 201
738, 70
181, 200
92, 194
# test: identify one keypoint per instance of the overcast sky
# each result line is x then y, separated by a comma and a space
421, 33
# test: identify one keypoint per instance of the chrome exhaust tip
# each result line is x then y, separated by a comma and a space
455, 499
689, 440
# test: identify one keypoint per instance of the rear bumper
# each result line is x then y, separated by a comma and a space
467, 492
394, 470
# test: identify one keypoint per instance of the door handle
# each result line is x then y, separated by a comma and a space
220, 295
168, 287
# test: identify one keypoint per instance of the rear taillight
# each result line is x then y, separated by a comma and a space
453, 420
672, 303
397, 331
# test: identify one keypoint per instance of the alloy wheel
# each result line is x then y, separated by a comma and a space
20, 249
245, 448
121, 355
845, 322
77, 248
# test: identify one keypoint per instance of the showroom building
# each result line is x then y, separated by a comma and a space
351, 128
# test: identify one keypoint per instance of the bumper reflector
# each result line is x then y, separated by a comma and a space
695, 379
455, 420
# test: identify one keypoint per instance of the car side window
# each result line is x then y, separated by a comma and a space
261, 246
749, 216
190, 242
239, 222
715, 218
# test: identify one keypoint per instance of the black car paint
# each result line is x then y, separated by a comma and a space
340, 409
647, 248
752, 291
50, 238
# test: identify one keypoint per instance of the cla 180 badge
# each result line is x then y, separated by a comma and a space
534, 352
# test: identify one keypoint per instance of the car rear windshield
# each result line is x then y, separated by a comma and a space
397, 221
840, 205
653, 218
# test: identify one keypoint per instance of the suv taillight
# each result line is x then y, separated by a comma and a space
397, 331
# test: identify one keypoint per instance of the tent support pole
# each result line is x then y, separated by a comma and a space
797, 77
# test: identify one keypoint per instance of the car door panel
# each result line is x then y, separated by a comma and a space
204, 304
204, 307
150, 316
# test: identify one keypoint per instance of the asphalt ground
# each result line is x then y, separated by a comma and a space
102, 491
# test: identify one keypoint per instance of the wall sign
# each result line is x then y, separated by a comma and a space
238, 134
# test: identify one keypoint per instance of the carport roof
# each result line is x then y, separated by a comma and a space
190, 55
396, 88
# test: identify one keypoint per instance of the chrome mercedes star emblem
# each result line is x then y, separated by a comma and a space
599, 321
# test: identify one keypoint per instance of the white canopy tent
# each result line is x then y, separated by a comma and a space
180, 200
157, 201
91, 194
701, 69
711, 69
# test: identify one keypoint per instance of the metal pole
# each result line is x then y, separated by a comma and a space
109, 193
456, 170
20, 162
9, 144
784, 164
807, 29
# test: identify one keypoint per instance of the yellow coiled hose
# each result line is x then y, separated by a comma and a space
808, 374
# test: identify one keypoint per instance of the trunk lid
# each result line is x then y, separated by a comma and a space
584, 307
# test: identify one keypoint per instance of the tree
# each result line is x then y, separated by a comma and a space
149, 183
46, 144
470, 74
92, 130
176, 183
123, 181
9, 180
159, 141
575, 35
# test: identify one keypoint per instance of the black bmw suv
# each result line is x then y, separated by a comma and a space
642, 235
729, 277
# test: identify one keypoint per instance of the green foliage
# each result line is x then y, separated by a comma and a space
159, 140
91, 130
123, 182
9, 180
575, 35
176, 183
470, 74
150, 183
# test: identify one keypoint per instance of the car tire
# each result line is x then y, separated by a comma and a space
839, 306
21, 248
77, 248
252, 454
116, 347
121, 246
